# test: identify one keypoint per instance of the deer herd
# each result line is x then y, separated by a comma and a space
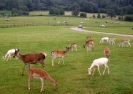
34, 58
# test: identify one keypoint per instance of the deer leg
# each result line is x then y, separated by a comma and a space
108, 69
104, 69
24, 69
59, 61
76, 48
93, 71
29, 66
29, 79
129, 44
87, 48
53, 61
7, 58
42, 88
99, 70
43, 64
63, 60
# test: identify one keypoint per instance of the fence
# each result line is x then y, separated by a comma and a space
49, 24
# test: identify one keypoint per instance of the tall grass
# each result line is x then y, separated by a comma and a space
71, 77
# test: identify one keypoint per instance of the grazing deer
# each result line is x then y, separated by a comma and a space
59, 54
107, 52
74, 46
89, 44
97, 63
123, 42
42, 75
104, 39
111, 41
31, 58
9, 54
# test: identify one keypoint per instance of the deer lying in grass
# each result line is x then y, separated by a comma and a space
42, 75
89, 45
97, 63
111, 41
59, 54
9, 54
107, 52
31, 58
123, 42
104, 39
74, 46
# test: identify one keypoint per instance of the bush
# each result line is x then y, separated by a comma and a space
56, 11
84, 15
103, 16
120, 18
128, 18
98, 16
93, 16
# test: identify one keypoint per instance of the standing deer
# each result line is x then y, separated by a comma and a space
89, 44
74, 46
59, 54
42, 75
31, 58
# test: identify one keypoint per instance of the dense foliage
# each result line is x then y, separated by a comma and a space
119, 6
57, 7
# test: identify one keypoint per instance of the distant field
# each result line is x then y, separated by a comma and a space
88, 23
67, 13
39, 13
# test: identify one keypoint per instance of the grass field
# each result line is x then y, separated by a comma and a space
72, 77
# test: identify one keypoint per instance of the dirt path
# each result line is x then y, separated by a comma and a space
81, 30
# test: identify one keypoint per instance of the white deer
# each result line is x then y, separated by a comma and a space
9, 54
104, 39
97, 63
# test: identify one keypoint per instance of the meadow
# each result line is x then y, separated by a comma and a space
72, 77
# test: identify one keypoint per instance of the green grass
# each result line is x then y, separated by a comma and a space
71, 77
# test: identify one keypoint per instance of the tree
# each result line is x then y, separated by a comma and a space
75, 9
1, 6
98, 16
83, 15
56, 11
111, 13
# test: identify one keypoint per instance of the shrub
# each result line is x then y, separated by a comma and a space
84, 15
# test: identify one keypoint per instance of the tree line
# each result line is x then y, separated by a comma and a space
57, 7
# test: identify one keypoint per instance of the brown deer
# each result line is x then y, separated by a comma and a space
107, 52
89, 44
31, 58
59, 54
42, 75
88, 38
74, 46
123, 42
